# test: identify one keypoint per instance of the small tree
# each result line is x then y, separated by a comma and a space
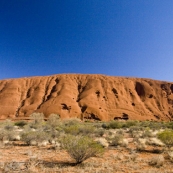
166, 137
80, 148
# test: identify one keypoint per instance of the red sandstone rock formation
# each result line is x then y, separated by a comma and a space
87, 96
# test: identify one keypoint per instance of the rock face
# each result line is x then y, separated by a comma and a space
87, 96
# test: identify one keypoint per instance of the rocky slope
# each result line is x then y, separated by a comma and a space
87, 96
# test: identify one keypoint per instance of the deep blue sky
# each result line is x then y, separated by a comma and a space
131, 38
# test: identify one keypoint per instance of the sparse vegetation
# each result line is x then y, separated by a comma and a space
84, 140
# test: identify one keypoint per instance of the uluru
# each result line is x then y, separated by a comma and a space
97, 97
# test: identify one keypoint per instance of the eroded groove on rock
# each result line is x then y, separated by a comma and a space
140, 89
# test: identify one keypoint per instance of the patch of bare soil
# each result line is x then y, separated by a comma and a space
33, 159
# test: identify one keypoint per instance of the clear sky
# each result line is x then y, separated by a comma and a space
132, 38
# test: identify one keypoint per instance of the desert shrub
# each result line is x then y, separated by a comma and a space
170, 156
53, 132
140, 146
6, 134
135, 131
117, 140
2, 134
20, 123
120, 132
27, 127
71, 121
7, 125
157, 161
152, 125
166, 137
53, 120
105, 125
82, 129
136, 128
53, 125
144, 124
156, 125
169, 125
96, 124
73, 129
102, 141
147, 133
37, 120
99, 132
86, 129
80, 148
130, 123
115, 125
37, 136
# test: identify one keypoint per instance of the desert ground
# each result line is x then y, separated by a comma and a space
126, 146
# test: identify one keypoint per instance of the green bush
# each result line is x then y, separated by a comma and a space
20, 123
130, 123
169, 125
105, 126
77, 129
115, 125
156, 125
166, 137
80, 148
73, 130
